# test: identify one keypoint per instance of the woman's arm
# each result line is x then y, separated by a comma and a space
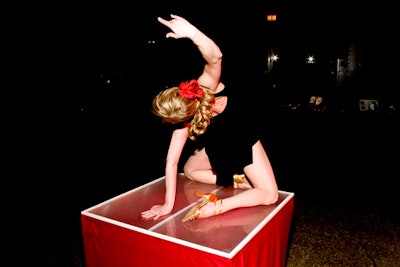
176, 145
181, 28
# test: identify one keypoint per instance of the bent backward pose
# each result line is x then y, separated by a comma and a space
228, 150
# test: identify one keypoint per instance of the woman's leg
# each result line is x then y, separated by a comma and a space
261, 173
264, 192
198, 168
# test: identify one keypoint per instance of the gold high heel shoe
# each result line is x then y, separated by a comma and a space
240, 181
194, 212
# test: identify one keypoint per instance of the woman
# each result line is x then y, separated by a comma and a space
198, 111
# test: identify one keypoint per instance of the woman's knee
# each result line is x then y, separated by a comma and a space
271, 196
264, 181
188, 171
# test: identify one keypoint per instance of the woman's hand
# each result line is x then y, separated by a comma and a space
180, 27
156, 211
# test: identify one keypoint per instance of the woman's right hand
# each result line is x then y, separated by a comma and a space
156, 211
181, 28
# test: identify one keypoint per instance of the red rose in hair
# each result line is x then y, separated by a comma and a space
191, 89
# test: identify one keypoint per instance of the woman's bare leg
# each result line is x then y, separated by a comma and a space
265, 191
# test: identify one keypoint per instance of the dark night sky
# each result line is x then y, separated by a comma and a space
98, 29
101, 28
62, 46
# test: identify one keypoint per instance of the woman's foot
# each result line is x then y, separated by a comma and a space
240, 181
209, 206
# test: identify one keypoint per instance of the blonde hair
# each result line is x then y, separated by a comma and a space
173, 108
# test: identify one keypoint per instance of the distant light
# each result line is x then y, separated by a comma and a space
368, 104
310, 60
271, 17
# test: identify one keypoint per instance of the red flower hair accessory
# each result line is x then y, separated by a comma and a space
190, 90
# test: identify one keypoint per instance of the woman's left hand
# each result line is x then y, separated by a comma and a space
156, 211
